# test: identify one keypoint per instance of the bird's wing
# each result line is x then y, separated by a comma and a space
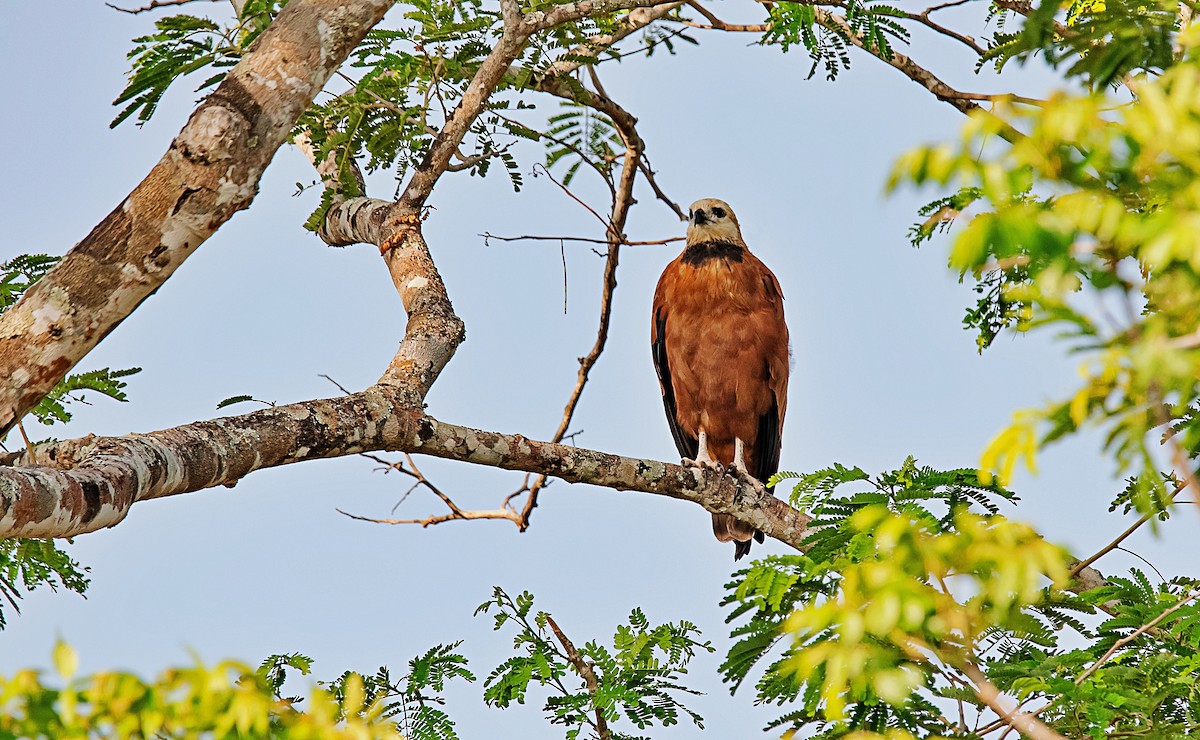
770, 424
687, 445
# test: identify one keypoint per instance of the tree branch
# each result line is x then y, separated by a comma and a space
154, 4
210, 172
113, 473
586, 672
622, 201
1023, 722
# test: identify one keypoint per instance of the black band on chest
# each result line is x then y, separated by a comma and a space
697, 254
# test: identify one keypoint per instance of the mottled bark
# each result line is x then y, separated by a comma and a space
210, 172
114, 473
93, 482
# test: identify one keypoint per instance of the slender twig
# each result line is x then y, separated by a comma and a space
28, 444
155, 4
1119, 538
622, 201
562, 252
341, 387
943, 6
1134, 635
644, 166
587, 673
1149, 564
573, 197
464, 515
487, 235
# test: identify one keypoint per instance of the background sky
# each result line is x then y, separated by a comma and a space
882, 368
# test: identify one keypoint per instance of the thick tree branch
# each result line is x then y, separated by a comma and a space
210, 172
114, 473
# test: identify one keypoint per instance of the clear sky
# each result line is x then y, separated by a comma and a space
882, 367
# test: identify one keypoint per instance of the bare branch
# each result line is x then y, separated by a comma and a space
454, 516
622, 201
155, 4
210, 172
632, 22
487, 235
644, 166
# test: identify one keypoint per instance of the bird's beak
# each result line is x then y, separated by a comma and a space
698, 217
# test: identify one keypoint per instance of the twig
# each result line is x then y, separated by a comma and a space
154, 4
943, 6
573, 197
340, 387
487, 235
644, 166
562, 251
1134, 635
622, 201
28, 445
1149, 564
464, 515
1119, 539
587, 673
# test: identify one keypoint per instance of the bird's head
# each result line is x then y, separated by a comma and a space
712, 220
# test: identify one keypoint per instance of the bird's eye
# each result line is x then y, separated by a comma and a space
718, 212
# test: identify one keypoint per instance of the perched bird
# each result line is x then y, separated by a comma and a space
720, 348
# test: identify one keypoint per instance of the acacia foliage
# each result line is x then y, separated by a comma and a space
915, 594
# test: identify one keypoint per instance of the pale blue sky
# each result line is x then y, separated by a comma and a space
882, 368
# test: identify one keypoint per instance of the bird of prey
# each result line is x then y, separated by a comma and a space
720, 348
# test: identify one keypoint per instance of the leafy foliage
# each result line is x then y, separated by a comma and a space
52, 408
579, 132
1109, 260
637, 679
183, 45
26, 564
227, 700
21, 272
828, 44
412, 701
1102, 42
1127, 680
863, 627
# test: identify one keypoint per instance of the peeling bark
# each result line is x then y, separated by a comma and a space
113, 473
210, 172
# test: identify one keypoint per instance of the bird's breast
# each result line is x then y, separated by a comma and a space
714, 285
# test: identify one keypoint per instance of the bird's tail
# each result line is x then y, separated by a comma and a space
728, 529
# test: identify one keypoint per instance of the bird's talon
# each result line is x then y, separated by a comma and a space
688, 462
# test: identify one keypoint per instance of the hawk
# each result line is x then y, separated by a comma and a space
720, 349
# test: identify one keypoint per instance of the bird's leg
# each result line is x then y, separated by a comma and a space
738, 469
703, 458
739, 456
